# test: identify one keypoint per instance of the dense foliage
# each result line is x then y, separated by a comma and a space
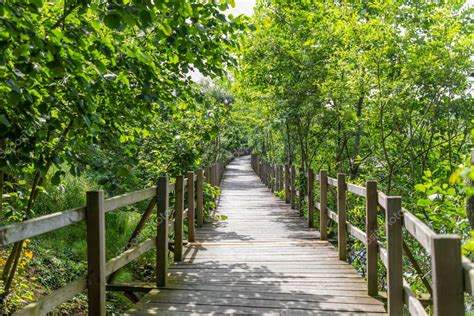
99, 94
374, 89
102, 91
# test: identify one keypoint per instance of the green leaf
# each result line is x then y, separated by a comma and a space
113, 20
13, 85
145, 18
123, 172
56, 179
4, 120
166, 28
186, 10
423, 202
420, 187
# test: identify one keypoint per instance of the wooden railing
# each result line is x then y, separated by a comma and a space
100, 273
452, 274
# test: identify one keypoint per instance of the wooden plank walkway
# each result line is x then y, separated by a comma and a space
262, 260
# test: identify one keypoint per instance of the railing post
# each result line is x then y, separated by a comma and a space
178, 218
270, 172
341, 216
216, 174
293, 188
265, 180
447, 274
274, 179
287, 184
323, 204
200, 200
95, 214
162, 205
282, 178
310, 198
301, 194
393, 222
278, 178
210, 177
207, 174
264, 172
191, 233
371, 204
221, 171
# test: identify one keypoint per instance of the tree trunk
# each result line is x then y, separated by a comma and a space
354, 163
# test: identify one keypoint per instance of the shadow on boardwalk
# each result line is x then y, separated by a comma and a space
261, 260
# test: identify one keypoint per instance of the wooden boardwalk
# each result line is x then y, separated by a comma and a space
261, 260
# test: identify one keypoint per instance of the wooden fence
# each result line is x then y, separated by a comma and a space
100, 273
452, 274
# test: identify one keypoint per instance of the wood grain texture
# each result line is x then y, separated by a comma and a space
371, 234
341, 216
162, 205
178, 218
199, 197
95, 215
262, 260
191, 205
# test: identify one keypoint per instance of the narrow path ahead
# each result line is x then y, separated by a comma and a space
261, 260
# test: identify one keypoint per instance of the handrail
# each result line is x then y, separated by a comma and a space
44, 224
95, 226
443, 249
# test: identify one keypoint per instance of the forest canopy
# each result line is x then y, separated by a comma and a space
100, 95
376, 89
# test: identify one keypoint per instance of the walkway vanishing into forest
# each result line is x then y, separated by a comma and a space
261, 260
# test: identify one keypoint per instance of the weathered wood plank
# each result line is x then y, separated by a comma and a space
40, 225
322, 205
178, 218
468, 270
357, 233
126, 199
358, 190
413, 304
394, 255
191, 206
371, 235
422, 233
199, 197
129, 255
341, 217
130, 287
162, 205
332, 181
95, 213
332, 215
247, 262
311, 198
50, 301
447, 271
